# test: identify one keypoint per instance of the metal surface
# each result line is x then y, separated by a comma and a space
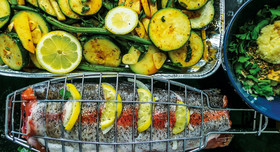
13, 122
198, 71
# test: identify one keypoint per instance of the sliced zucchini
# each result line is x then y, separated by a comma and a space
202, 17
169, 29
4, 13
46, 6
33, 28
12, 52
190, 53
132, 56
51, 7
88, 7
37, 20
1, 61
33, 2
35, 61
101, 50
66, 10
165, 2
146, 64
192, 4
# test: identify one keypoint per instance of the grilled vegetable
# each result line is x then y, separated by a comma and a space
94, 30
33, 2
22, 28
101, 50
133, 4
4, 13
88, 7
169, 29
29, 26
167, 3
46, 6
146, 64
57, 10
101, 68
35, 61
12, 52
35, 20
1, 61
66, 10
190, 53
202, 17
132, 56
146, 7
192, 4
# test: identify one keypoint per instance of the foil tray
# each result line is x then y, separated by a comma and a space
198, 71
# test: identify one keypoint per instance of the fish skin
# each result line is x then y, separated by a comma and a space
53, 113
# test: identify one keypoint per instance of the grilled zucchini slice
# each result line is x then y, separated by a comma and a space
1, 61
4, 13
101, 50
202, 17
33, 2
36, 25
169, 29
190, 53
66, 10
51, 7
46, 6
88, 7
12, 52
37, 19
192, 4
35, 61
146, 65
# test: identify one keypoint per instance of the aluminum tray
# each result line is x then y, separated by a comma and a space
199, 71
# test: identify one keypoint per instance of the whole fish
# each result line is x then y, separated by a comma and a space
45, 119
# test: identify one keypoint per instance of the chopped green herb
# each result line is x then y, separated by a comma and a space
162, 19
189, 53
7, 48
4, 18
85, 9
67, 93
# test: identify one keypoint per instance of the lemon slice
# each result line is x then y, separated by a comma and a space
182, 115
110, 108
121, 20
72, 108
59, 52
144, 112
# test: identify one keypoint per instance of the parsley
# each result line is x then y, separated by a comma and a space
189, 53
85, 9
67, 94
4, 18
162, 19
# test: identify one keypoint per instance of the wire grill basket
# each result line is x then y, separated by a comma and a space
14, 123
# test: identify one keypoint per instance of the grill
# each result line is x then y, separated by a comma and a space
13, 121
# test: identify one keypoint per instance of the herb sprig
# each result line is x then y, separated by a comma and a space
242, 48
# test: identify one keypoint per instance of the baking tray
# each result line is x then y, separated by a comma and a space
198, 71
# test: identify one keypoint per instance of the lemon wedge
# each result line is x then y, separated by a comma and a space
110, 108
144, 112
182, 115
121, 20
59, 52
72, 108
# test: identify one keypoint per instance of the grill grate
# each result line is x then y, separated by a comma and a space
13, 122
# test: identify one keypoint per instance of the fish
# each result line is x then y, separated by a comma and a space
41, 118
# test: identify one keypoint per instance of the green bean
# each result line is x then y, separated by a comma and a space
94, 30
101, 68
